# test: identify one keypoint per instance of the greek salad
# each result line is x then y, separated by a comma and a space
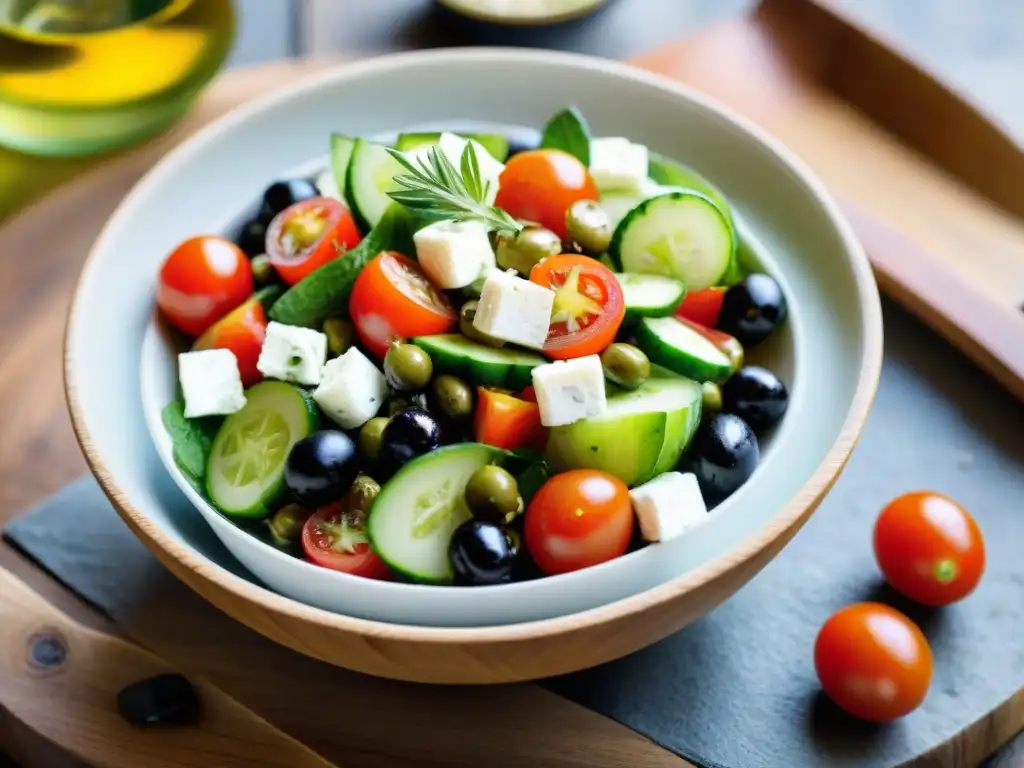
454, 361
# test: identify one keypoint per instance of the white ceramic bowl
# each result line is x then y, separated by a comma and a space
120, 368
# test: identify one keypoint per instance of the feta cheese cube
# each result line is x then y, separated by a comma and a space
293, 354
513, 309
668, 506
327, 186
454, 254
570, 390
351, 390
210, 383
490, 169
618, 164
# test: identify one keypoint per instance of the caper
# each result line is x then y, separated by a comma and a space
712, 396
370, 437
407, 366
286, 524
453, 396
355, 504
466, 315
340, 334
625, 365
589, 226
262, 270
524, 251
492, 495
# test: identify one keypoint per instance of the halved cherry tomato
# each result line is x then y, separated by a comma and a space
702, 307
873, 662
308, 234
929, 548
392, 298
578, 519
541, 185
589, 307
202, 280
242, 332
507, 422
331, 542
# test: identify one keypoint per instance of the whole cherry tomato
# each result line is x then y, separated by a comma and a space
578, 519
540, 185
242, 331
929, 548
202, 280
331, 541
873, 662
392, 298
308, 234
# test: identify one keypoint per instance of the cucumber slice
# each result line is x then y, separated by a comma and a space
371, 175
245, 469
495, 144
341, 156
478, 363
650, 295
682, 349
678, 234
669, 173
413, 517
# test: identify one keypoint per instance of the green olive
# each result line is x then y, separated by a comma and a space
524, 251
341, 335
262, 270
355, 504
588, 225
453, 396
286, 524
407, 367
625, 365
466, 315
493, 495
712, 396
370, 436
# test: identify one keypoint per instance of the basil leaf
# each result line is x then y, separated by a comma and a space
568, 131
191, 440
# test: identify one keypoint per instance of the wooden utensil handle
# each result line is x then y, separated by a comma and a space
61, 679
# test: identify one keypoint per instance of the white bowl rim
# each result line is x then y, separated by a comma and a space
787, 519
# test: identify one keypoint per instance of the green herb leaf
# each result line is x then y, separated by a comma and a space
568, 131
191, 440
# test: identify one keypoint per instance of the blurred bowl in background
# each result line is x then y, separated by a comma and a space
525, 13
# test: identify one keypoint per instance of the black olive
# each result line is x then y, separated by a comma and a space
752, 309
480, 554
282, 194
409, 433
757, 396
321, 468
253, 238
724, 455
519, 145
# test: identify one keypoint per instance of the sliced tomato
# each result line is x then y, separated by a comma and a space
308, 234
393, 299
328, 540
242, 332
702, 307
507, 422
529, 394
589, 307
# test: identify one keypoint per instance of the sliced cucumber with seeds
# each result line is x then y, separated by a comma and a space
341, 158
679, 234
413, 517
245, 468
650, 295
371, 175
480, 364
682, 349
669, 173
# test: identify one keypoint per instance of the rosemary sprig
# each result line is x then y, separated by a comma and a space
440, 191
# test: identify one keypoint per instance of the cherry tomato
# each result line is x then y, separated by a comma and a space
242, 331
331, 542
507, 422
308, 234
202, 280
578, 519
393, 299
529, 394
873, 662
702, 307
540, 185
589, 307
929, 548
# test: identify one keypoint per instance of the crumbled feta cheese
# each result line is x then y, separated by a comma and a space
513, 309
570, 390
293, 354
618, 164
351, 390
453, 254
668, 506
327, 186
210, 383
